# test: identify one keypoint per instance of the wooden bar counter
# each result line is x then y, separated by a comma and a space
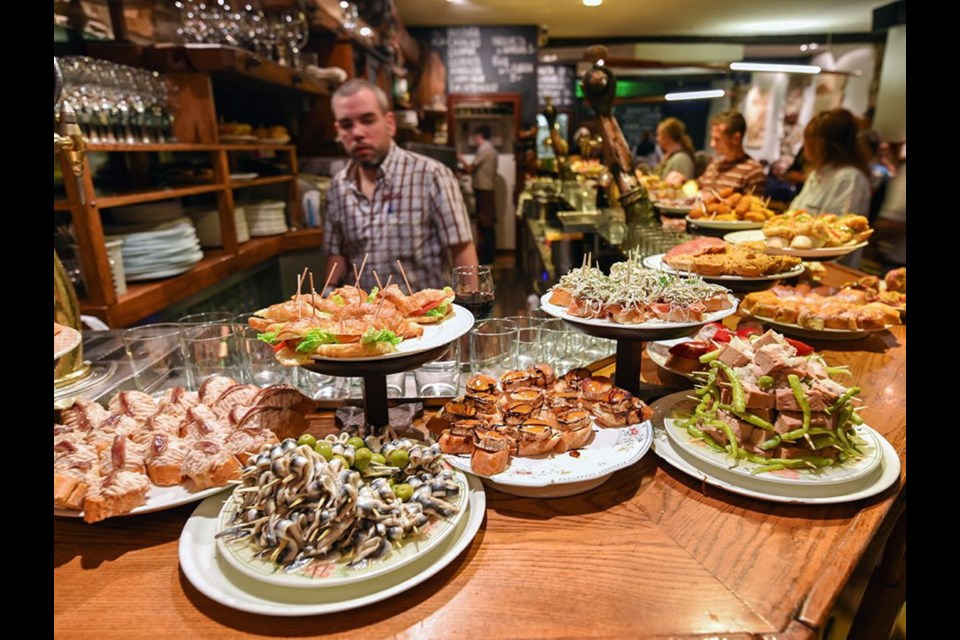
652, 553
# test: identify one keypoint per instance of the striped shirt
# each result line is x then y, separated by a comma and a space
415, 215
744, 175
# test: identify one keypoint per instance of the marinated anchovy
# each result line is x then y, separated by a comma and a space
297, 507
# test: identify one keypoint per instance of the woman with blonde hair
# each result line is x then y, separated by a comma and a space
840, 180
678, 151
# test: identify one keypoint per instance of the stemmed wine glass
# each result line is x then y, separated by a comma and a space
473, 286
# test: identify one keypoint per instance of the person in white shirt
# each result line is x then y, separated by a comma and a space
840, 179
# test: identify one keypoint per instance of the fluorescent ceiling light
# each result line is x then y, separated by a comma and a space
782, 68
694, 95
592, 3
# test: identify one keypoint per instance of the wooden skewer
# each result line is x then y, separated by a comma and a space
379, 284
360, 273
313, 296
405, 281
296, 298
380, 306
336, 265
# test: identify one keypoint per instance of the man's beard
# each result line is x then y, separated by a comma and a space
371, 162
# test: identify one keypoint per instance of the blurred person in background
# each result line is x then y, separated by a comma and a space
678, 151
484, 172
839, 180
731, 166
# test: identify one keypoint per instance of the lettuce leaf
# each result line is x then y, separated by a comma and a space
313, 339
384, 335
439, 311
269, 338
372, 296
337, 300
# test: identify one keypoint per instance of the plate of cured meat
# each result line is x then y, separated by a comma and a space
823, 313
533, 434
141, 454
634, 302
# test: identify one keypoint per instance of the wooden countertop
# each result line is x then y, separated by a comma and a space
650, 553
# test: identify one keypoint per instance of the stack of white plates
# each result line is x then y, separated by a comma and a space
207, 222
148, 212
266, 218
157, 250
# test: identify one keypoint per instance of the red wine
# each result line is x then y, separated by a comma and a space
479, 303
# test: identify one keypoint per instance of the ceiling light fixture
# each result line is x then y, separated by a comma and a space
549, 57
365, 31
814, 46
344, 4
694, 95
774, 68
599, 62
803, 47
592, 3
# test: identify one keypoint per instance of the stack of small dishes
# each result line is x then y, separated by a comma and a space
207, 222
266, 218
157, 250
875, 471
227, 568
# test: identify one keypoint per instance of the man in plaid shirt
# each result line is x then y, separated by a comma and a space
390, 204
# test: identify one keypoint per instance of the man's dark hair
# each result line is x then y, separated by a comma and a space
483, 131
732, 122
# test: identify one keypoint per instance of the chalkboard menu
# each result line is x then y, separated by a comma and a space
557, 82
634, 119
489, 60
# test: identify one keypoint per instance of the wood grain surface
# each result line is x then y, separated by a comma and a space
651, 553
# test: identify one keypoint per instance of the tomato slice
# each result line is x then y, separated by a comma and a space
429, 306
746, 332
803, 349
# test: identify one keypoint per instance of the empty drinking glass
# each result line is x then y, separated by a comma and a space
156, 356
442, 376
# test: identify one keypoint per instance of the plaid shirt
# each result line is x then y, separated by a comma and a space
744, 175
416, 213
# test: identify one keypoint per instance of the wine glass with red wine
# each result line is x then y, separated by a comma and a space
473, 286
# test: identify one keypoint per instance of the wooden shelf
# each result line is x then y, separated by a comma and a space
257, 147
166, 146
145, 298
231, 63
151, 195
259, 182
61, 205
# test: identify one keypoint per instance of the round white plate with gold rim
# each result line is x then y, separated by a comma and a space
240, 555
869, 446
656, 263
159, 499
220, 582
823, 253
879, 480
557, 475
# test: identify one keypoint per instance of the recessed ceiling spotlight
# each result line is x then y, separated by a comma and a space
592, 3
344, 4
599, 62
365, 31
549, 57
814, 46
803, 47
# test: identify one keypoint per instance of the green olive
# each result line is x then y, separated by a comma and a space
307, 439
362, 458
356, 442
324, 448
399, 458
403, 491
337, 456
378, 458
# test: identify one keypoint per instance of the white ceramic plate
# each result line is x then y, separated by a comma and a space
816, 334
240, 555
163, 273
160, 498
656, 262
673, 211
220, 582
66, 341
434, 335
738, 237
658, 352
881, 478
837, 474
561, 312
555, 475
708, 223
